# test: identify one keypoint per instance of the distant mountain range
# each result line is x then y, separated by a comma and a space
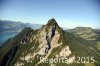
75, 47
6, 25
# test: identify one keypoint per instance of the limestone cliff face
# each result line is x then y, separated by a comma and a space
48, 38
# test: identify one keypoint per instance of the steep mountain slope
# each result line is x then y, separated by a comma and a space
44, 46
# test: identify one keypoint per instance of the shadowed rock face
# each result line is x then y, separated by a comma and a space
48, 42
53, 31
49, 39
26, 38
9, 56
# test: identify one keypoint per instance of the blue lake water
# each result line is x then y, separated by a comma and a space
6, 35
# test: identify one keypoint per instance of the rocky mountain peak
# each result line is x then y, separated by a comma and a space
49, 33
52, 22
52, 25
41, 43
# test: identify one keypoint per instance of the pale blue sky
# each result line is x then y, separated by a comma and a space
68, 13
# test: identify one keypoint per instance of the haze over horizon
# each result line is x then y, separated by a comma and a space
68, 13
